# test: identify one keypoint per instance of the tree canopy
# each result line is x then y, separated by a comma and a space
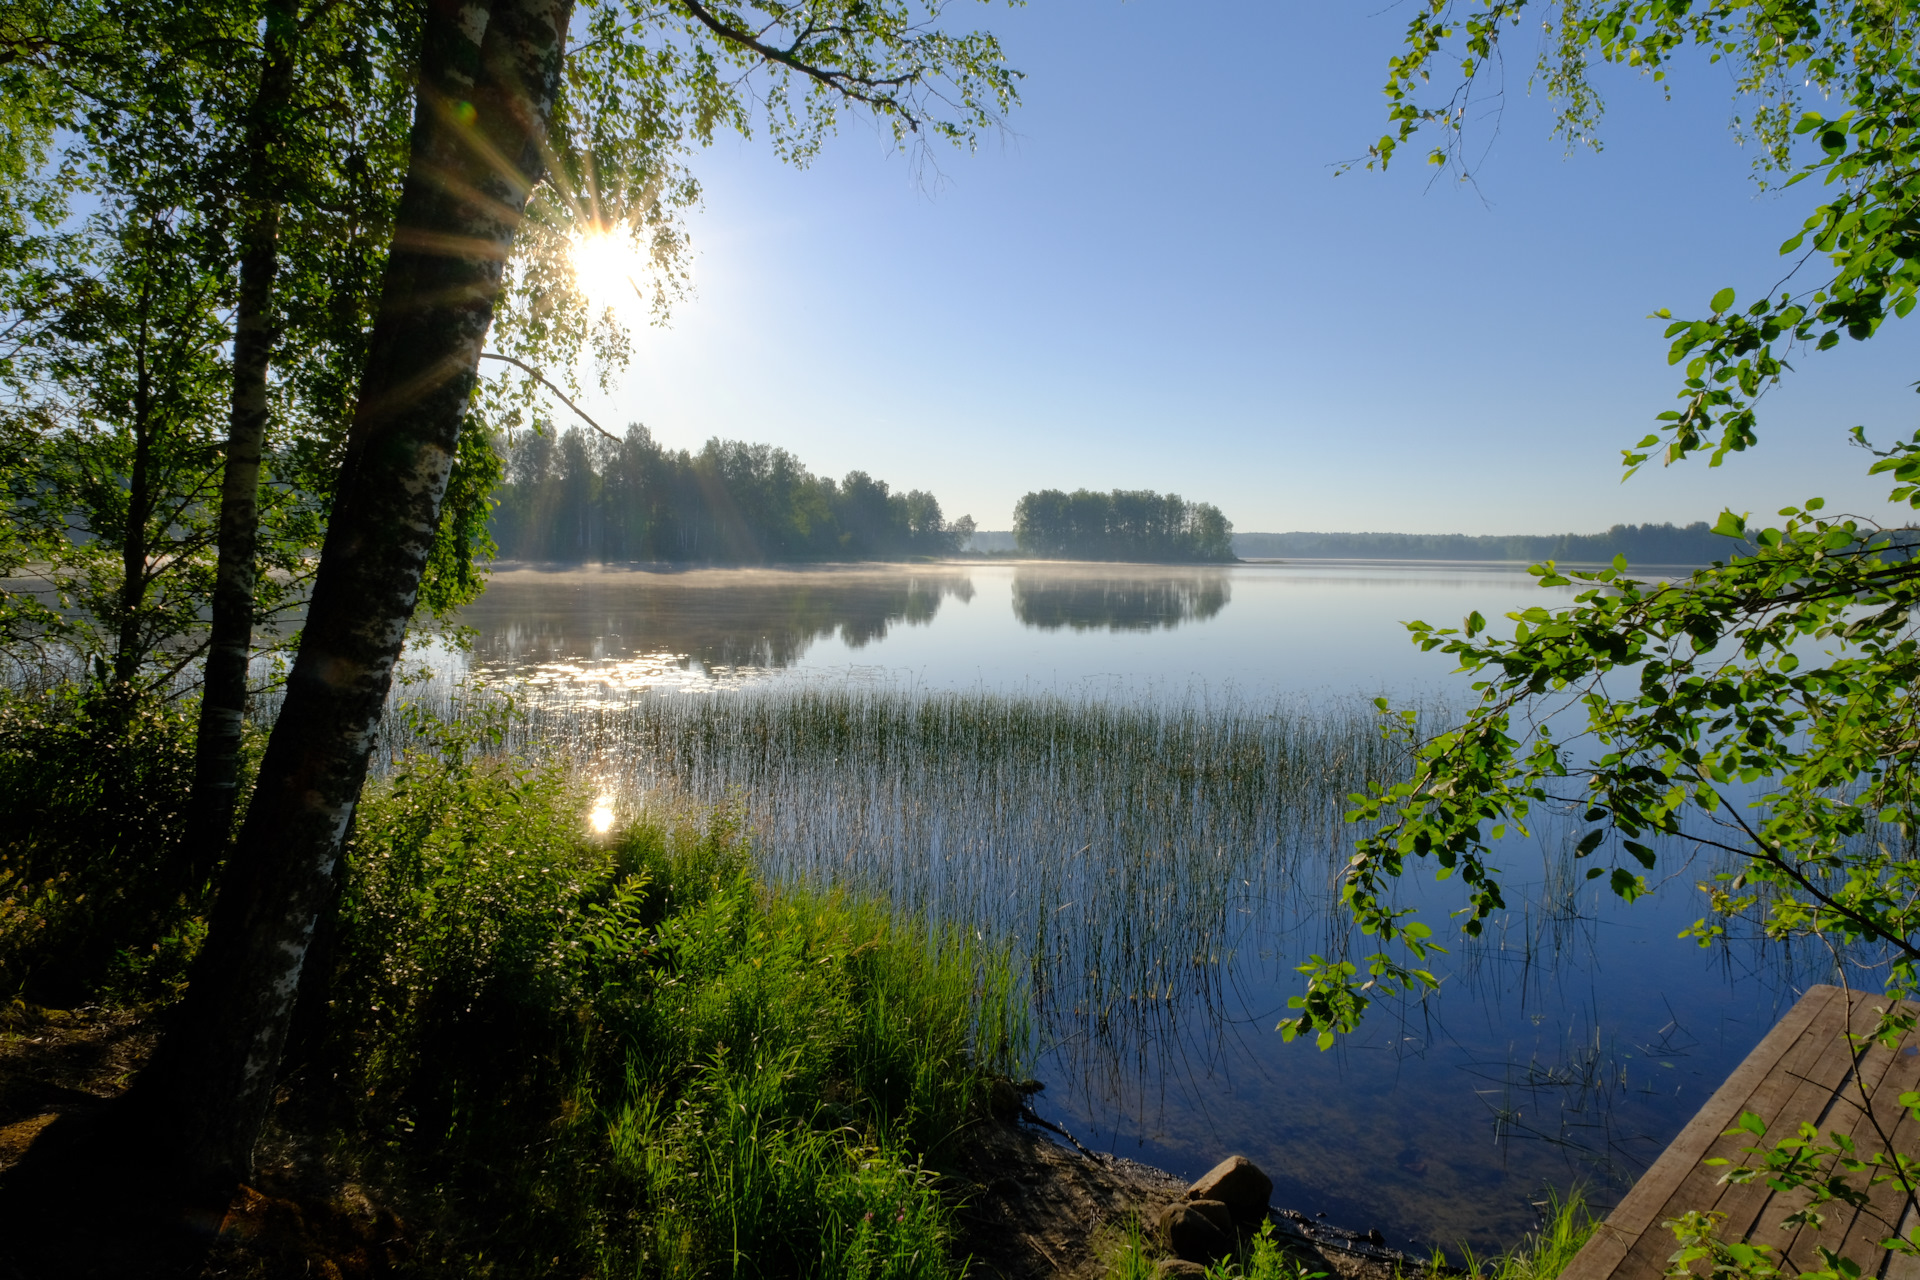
1764, 707
582, 498
1126, 524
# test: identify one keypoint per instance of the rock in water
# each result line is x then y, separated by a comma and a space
1237, 1183
1198, 1231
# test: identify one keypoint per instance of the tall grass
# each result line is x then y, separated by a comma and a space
628, 1055
1566, 1226
1126, 849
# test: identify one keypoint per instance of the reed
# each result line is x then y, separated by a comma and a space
1126, 851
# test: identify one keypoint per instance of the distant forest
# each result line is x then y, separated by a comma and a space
579, 498
1693, 544
1126, 524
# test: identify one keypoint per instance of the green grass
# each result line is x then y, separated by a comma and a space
1134, 1255
1545, 1253
1542, 1255
629, 1056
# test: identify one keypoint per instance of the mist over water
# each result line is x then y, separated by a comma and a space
1259, 628
1136, 777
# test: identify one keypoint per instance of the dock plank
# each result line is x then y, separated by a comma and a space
1793, 1081
1639, 1208
1753, 1209
1846, 1115
1803, 1071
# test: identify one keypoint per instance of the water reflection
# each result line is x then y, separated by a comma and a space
625, 629
1165, 861
1050, 600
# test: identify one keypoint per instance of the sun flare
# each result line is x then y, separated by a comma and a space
608, 269
600, 821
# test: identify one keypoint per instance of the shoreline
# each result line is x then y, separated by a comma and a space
1029, 1206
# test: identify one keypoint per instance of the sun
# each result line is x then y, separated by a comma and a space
609, 270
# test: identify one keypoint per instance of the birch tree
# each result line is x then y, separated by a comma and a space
490, 127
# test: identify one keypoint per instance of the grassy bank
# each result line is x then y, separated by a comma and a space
561, 1053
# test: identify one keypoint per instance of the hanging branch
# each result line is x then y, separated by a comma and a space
544, 381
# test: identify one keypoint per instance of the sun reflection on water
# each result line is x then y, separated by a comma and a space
600, 821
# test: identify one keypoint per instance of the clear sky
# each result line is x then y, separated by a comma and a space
1154, 279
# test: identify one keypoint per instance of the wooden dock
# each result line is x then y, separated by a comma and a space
1802, 1071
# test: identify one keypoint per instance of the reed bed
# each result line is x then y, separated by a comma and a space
1126, 850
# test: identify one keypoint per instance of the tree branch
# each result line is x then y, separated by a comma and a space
872, 91
544, 381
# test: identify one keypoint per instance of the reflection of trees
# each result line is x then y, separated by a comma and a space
761, 622
1049, 602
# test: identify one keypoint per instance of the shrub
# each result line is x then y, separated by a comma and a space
95, 887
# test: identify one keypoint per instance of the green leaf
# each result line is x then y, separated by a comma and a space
1722, 300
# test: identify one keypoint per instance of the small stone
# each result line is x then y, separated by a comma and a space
1179, 1269
1214, 1211
1238, 1183
1197, 1232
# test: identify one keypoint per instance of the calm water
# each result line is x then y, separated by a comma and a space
1567, 1047
1327, 628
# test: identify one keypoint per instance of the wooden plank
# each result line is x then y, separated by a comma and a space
1790, 1084
1878, 1069
1900, 1266
1755, 1209
1642, 1205
1887, 1203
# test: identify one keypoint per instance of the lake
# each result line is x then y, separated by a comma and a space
1135, 775
1329, 627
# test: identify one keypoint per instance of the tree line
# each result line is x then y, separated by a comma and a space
580, 498
1125, 524
1667, 543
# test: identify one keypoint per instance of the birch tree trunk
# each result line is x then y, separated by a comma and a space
223, 698
487, 91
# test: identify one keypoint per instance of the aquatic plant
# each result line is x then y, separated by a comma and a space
1126, 849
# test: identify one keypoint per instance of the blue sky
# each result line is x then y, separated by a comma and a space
1154, 279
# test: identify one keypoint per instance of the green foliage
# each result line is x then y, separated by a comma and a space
1790, 59
1698, 1234
1545, 1253
1678, 704
462, 544
95, 891
1127, 524
1822, 1171
623, 1054
1262, 1259
577, 498
1763, 707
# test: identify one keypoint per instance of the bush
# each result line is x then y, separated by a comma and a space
96, 890
624, 1055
